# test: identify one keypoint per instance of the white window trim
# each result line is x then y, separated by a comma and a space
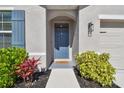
5, 32
118, 17
36, 54
6, 8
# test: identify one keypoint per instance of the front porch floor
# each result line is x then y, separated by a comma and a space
61, 64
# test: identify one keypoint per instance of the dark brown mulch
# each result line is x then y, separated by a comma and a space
87, 83
40, 80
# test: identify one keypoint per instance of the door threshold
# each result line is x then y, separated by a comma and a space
62, 60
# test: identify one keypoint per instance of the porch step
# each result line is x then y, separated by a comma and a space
61, 64
62, 78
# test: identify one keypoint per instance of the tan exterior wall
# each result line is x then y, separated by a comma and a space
53, 16
39, 39
35, 29
91, 14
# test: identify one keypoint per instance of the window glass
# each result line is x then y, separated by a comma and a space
7, 40
0, 16
12, 21
6, 16
1, 40
7, 26
0, 26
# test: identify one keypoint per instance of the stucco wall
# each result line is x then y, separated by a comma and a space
55, 13
90, 14
86, 16
35, 29
53, 16
75, 40
50, 44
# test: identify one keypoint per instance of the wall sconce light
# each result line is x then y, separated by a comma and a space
90, 29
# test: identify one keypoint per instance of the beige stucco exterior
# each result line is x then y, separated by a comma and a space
91, 14
61, 16
85, 16
39, 29
35, 29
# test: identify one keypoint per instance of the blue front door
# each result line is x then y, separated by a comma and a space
61, 50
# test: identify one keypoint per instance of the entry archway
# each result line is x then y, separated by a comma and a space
65, 51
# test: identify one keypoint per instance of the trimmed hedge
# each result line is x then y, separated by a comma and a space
9, 59
96, 67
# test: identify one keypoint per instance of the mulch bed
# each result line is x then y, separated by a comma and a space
39, 80
87, 83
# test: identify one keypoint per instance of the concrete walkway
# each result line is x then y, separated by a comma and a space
119, 78
62, 78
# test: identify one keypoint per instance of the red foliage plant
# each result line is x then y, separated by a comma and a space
27, 68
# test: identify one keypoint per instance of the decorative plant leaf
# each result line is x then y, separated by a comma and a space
96, 67
27, 68
9, 59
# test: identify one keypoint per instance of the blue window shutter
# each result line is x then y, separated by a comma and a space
18, 38
18, 15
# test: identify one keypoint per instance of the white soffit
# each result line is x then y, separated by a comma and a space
6, 8
116, 17
62, 7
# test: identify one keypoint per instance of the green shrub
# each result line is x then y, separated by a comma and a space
9, 59
96, 67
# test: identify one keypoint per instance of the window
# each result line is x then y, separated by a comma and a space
5, 29
111, 23
11, 28
5, 40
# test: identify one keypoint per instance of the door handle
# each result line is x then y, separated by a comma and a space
103, 32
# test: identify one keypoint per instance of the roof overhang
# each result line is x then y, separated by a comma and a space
64, 7
61, 7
